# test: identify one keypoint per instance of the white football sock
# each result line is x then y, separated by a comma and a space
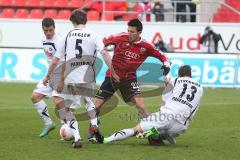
43, 112
125, 133
62, 122
62, 115
73, 124
90, 107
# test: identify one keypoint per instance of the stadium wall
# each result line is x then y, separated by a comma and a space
23, 60
183, 36
30, 65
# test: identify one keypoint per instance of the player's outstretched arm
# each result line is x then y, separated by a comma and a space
50, 69
60, 84
166, 80
166, 68
114, 75
162, 57
106, 57
108, 61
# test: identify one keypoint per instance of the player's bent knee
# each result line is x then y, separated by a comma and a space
71, 110
59, 102
98, 102
36, 97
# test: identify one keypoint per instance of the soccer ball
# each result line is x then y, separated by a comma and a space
66, 133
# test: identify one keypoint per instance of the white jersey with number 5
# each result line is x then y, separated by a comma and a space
79, 48
183, 99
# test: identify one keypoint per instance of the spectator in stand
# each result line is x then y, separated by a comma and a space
209, 41
193, 9
158, 10
144, 11
180, 9
164, 47
119, 6
111, 7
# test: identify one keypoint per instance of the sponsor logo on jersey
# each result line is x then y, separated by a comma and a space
49, 49
135, 86
142, 50
130, 54
48, 54
75, 64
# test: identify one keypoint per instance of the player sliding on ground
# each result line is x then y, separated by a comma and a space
182, 99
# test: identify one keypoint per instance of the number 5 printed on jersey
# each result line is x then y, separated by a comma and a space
78, 47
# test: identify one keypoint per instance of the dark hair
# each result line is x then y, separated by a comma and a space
47, 22
208, 28
136, 23
185, 70
78, 17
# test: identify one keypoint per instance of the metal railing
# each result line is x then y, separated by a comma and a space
204, 10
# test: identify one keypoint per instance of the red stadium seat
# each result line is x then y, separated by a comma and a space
7, 13
93, 16
225, 14
64, 14
88, 1
21, 13
61, 3
5, 2
234, 3
109, 6
75, 3
108, 17
48, 3
36, 14
33, 3
128, 17
19, 3
52, 13
97, 6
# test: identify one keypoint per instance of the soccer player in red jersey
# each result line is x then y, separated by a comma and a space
130, 52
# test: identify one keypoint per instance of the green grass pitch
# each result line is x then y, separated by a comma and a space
213, 134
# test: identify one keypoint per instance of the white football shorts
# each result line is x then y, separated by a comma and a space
164, 122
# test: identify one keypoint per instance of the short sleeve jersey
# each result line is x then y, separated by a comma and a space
79, 47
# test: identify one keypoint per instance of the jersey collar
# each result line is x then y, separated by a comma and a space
138, 41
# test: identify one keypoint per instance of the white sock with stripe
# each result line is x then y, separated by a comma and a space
90, 107
43, 112
125, 133
73, 124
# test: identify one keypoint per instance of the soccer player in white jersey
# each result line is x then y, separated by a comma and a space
181, 103
79, 47
41, 91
